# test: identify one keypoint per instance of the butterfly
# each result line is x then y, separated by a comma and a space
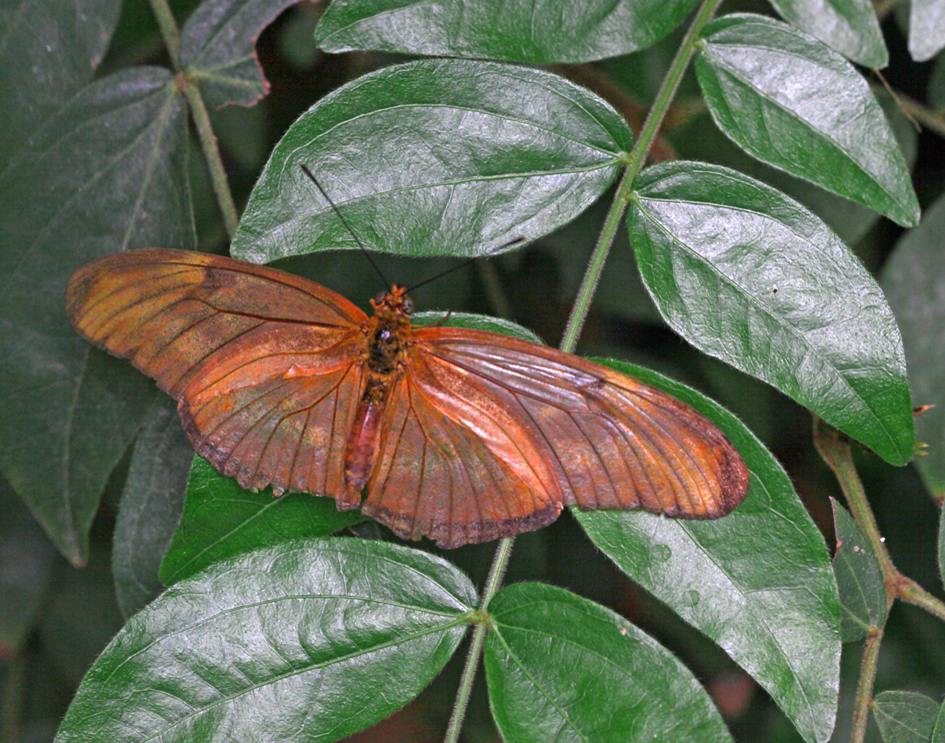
459, 435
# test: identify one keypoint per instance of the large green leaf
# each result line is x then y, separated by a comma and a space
303, 641
222, 520
151, 504
914, 281
758, 582
791, 102
86, 183
904, 716
750, 276
436, 157
862, 592
562, 668
848, 26
217, 48
50, 50
926, 28
538, 33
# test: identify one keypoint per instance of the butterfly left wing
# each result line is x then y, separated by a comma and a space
610, 440
266, 366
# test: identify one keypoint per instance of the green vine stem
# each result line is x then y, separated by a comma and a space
864, 689
198, 109
635, 161
835, 451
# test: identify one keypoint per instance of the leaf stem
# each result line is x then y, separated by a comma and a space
635, 162
198, 109
500, 562
835, 451
864, 690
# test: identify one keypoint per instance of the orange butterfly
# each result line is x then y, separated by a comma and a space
460, 435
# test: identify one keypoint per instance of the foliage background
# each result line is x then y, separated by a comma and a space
55, 619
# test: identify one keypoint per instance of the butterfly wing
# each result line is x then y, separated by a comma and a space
610, 441
456, 478
265, 365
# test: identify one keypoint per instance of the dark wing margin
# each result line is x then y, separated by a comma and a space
612, 441
170, 311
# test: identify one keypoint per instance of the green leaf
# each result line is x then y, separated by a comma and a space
938, 733
217, 47
926, 28
850, 28
563, 668
914, 281
904, 716
536, 33
26, 560
791, 102
50, 50
750, 276
758, 582
221, 520
303, 641
476, 322
862, 593
435, 157
151, 504
83, 185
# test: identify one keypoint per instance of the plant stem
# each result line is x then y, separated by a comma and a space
912, 593
864, 689
500, 562
635, 163
578, 316
198, 109
835, 451
208, 144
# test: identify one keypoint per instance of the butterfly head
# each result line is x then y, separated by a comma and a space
393, 305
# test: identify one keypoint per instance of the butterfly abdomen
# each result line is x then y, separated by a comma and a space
387, 343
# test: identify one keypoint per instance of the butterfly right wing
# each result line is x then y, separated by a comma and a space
266, 366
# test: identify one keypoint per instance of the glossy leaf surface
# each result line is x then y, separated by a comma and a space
758, 582
862, 592
436, 157
217, 48
850, 28
926, 28
151, 504
791, 102
307, 641
914, 281
562, 668
750, 276
101, 193
582, 32
221, 520
904, 716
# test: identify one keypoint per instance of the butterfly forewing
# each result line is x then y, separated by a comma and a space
612, 442
169, 311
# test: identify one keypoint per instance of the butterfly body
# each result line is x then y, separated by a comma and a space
456, 434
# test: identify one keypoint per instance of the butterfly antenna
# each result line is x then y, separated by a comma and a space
347, 226
465, 263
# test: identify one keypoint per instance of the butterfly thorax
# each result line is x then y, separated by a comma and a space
388, 337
